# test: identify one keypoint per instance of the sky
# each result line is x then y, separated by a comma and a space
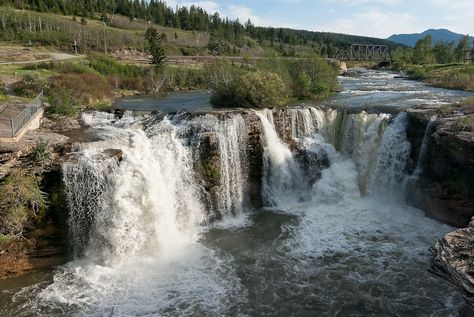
377, 18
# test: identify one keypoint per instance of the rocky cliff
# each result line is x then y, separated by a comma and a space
444, 188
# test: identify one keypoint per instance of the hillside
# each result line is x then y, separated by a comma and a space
190, 31
440, 35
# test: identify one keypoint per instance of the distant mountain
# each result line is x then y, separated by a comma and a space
441, 35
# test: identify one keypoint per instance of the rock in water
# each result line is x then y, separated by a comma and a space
454, 260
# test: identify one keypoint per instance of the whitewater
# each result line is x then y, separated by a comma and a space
159, 233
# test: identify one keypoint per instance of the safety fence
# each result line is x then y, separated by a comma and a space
9, 127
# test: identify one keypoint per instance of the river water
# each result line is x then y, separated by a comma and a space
146, 241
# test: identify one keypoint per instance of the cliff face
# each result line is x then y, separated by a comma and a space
444, 189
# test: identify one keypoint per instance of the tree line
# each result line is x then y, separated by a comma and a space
426, 52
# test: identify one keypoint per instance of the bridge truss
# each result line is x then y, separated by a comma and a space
366, 52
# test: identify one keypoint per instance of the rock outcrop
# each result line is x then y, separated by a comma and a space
454, 260
444, 189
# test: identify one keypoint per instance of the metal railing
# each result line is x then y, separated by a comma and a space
9, 127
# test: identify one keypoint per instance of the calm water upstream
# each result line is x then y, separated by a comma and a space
345, 245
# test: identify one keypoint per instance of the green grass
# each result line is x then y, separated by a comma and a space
20, 70
450, 76
120, 33
5, 238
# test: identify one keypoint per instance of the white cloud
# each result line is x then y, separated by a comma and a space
209, 6
355, 3
234, 11
457, 15
375, 23
244, 13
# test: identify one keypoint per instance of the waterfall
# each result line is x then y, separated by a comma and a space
157, 193
423, 149
136, 224
232, 135
88, 183
142, 227
303, 124
393, 154
375, 143
151, 198
282, 178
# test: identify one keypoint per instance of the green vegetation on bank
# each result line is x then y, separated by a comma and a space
96, 80
21, 203
439, 65
427, 53
270, 82
451, 76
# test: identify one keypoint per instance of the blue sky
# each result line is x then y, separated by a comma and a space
379, 18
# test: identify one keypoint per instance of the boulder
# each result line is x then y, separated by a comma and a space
454, 260
116, 153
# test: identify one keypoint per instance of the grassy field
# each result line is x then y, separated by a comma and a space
58, 31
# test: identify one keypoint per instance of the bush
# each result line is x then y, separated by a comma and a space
87, 87
61, 67
419, 73
271, 82
313, 78
3, 88
41, 152
128, 83
62, 102
30, 85
467, 105
261, 88
223, 78
106, 65
21, 201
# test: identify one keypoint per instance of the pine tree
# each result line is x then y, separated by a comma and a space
462, 47
154, 47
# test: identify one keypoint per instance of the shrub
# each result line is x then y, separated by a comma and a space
41, 152
30, 85
62, 102
271, 82
467, 105
3, 88
261, 88
223, 78
186, 78
106, 65
87, 87
221, 74
129, 83
419, 73
21, 201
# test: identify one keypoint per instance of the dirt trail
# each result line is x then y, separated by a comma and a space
54, 57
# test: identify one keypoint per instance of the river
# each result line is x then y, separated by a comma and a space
334, 236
